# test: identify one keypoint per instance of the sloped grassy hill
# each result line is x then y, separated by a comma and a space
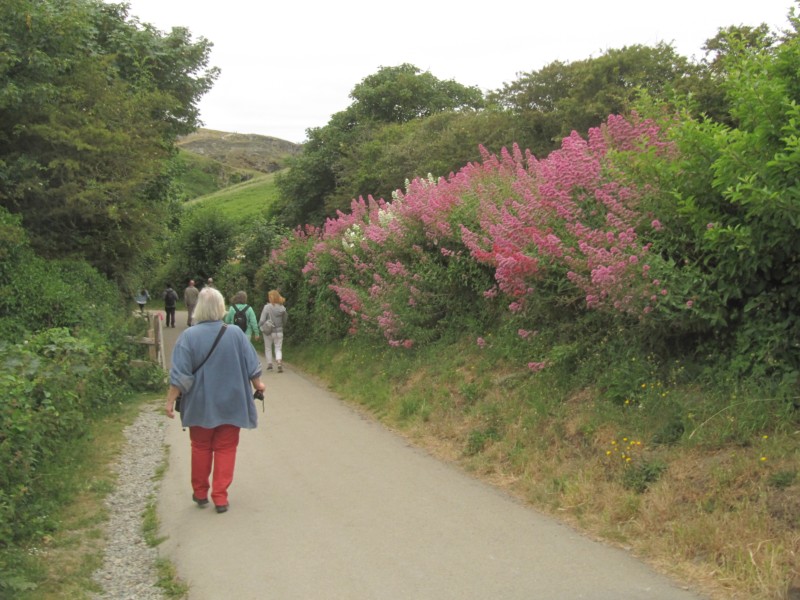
232, 171
243, 201
199, 175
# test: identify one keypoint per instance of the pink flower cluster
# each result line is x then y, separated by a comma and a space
568, 215
569, 220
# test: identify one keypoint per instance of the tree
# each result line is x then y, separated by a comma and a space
722, 51
310, 191
729, 204
400, 94
440, 144
205, 242
565, 97
91, 105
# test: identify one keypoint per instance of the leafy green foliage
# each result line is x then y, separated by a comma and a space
52, 382
204, 242
64, 357
403, 93
438, 145
565, 97
36, 294
314, 306
91, 102
730, 206
311, 189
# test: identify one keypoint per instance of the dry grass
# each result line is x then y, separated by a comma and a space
244, 151
726, 520
712, 519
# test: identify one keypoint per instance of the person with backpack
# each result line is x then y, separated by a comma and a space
170, 300
243, 315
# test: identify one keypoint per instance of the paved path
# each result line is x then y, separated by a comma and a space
327, 504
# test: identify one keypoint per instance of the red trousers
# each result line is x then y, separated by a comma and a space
215, 447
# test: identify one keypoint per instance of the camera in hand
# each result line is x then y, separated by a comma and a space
258, 395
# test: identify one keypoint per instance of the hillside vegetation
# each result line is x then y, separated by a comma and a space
242, 202
250, 152
610, 329
197, 175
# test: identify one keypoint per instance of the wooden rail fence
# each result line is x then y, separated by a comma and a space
154, 340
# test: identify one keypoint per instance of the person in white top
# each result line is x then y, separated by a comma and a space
272, 324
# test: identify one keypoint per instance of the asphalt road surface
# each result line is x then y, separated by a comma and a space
327, 504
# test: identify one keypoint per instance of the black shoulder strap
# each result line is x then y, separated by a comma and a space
214, 345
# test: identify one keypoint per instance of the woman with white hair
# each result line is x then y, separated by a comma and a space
213, 369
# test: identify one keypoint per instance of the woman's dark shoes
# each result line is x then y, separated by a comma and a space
222, 508
201, 502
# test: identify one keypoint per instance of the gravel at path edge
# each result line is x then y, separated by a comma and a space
129, 571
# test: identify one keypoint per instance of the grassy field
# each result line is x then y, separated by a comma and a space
199, 175
242, 201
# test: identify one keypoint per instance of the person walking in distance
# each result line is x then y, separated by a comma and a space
243, 315
213, 368
272, 322
141, 299
170, 299
190, 300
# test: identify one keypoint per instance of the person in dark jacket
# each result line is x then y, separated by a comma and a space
170, 300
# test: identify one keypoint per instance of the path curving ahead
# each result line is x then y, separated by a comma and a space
327, 505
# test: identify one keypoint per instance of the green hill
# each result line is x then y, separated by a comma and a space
231, 171
241, 201
199, 175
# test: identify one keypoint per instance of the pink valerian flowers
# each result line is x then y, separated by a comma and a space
565, 214
396, 269
564, 219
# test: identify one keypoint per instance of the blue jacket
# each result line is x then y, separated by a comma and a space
220, 392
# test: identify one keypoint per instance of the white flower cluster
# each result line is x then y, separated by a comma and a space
352, 237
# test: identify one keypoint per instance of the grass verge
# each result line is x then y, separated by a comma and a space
61, 563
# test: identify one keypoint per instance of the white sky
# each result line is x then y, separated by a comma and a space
288, 65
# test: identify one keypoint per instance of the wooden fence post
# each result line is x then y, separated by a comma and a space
154, 341
159, 337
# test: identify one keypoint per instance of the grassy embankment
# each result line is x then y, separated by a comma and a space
241, 201
63, 562
716, 504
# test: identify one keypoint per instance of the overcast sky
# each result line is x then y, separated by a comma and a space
288, 66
